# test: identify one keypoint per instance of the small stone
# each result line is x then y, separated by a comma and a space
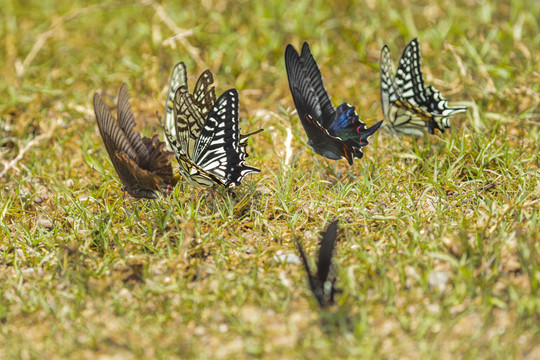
286, 258
46, 223
438, 279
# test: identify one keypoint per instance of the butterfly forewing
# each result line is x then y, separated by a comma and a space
388, 87
204, 94
178, 78
127, 124
314, 284
113, 137
307, 88
326, 251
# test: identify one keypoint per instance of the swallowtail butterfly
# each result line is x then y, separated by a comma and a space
207, 141
332, 133
142, 164
407, 103
322, 283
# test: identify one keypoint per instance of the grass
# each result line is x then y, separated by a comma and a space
440, 254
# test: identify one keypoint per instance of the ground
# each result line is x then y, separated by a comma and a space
439, 257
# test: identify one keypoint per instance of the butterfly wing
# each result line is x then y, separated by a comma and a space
308, 92
160, 162
204, 94
389, 90
189, 122
178, 78
401, 114
314, 284
326, 252
218, 149
347, 135
114, 139
127, 124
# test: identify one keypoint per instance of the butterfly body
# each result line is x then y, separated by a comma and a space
409, 106
142, 164
332, 133
209, 147
322, 283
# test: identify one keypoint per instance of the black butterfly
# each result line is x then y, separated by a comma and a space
141, 164
408, 104
208, 145
322, 283
333, 133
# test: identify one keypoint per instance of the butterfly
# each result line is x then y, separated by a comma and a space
142, 164
322, 283
205, 135
332, 133
407, 103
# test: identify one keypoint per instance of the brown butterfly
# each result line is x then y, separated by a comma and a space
142, 164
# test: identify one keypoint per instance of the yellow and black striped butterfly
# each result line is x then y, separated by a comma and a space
142, 164
322, 283
407, 103
205, 134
